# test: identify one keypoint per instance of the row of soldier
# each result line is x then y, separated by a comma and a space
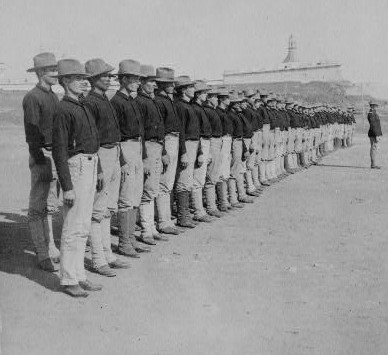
162, 146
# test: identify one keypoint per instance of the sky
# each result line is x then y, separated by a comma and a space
201, 38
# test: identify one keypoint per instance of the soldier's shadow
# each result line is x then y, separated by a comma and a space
16, 251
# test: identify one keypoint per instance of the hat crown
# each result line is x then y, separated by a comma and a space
183, 80
200, 85
233, 97
70, 67
223, 92
249, 92
97, 66
43, 60
147, 70
130, 67
165, 74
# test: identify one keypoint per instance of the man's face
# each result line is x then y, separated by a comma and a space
264, 100
76, 84
149, 86
46, 75
189, 91
202, 96
131, 83
102, 82
257, 104
244, 105
225, 100
213, 99
271, 103
168, 88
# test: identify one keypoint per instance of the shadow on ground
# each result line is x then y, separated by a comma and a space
17, 254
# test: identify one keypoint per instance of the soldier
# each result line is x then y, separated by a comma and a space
239, 155
188, 148
132, 150
272, 140
39, 106
200, 95
374, 133
226, 157
105, 201
264, 119
156, 158
213, 173
165, 101
75, 147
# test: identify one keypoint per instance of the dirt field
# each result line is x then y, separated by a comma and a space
302, 271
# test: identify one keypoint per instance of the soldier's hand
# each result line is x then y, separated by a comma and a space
146, 166
200, 160
184, 161
44, 170
165, 162
100, 182
69, 197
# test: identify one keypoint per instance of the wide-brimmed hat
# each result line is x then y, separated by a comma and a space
97, 66
129, 67
200, 85
213, 91
182, 81
69, 67
223, 92
234, 98
147, 71
288, 101
43, 60
249, 93
165, 75
373, 102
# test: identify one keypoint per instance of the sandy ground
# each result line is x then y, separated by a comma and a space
301, 271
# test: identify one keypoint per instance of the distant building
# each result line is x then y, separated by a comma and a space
290, 70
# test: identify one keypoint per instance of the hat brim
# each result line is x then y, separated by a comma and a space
34, 69
177, 86
72, 74
161, 80
107, 71
129, 74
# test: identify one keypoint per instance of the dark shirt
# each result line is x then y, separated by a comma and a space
168, 112
190, 128
153, 121
374, 122
227, 124
238, 128
263, 114
128, 115
39, 106
105, 116
214, 119
293, 119
247, 126
253, 118
74, 132
272, 118
205, 127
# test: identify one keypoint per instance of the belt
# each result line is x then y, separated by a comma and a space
48, 148
137, 139
109, 145
155, 140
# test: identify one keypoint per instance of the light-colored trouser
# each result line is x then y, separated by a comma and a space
299, 140
132, 175
291, 140
373, 150
213, 173
259, 147
200, 179
226, 157
44, 193
151, 188
271, 145
266, 142
237, 166
185, 177
278, 142
250, 164
77, 218
105, 204
167, 179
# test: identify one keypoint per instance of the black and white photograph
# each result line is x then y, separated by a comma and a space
200, 177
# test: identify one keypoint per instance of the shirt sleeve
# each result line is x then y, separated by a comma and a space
182, 136
61, 127
31, 126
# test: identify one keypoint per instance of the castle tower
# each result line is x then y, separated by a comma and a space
291, 56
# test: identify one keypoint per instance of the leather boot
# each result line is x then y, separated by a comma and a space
199, 211
147, 222
222, 198
54, 253
232, 188
165, 225
242, 195
211, 207
251, 189
126, 223
183, 201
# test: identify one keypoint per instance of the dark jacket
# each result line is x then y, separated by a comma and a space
374, 122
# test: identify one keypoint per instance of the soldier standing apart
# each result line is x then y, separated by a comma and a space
156, 158
204, 157
75, 147
214, 168
131, 159
374, 133
165, 102
188, 148
39, 106
105, 201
